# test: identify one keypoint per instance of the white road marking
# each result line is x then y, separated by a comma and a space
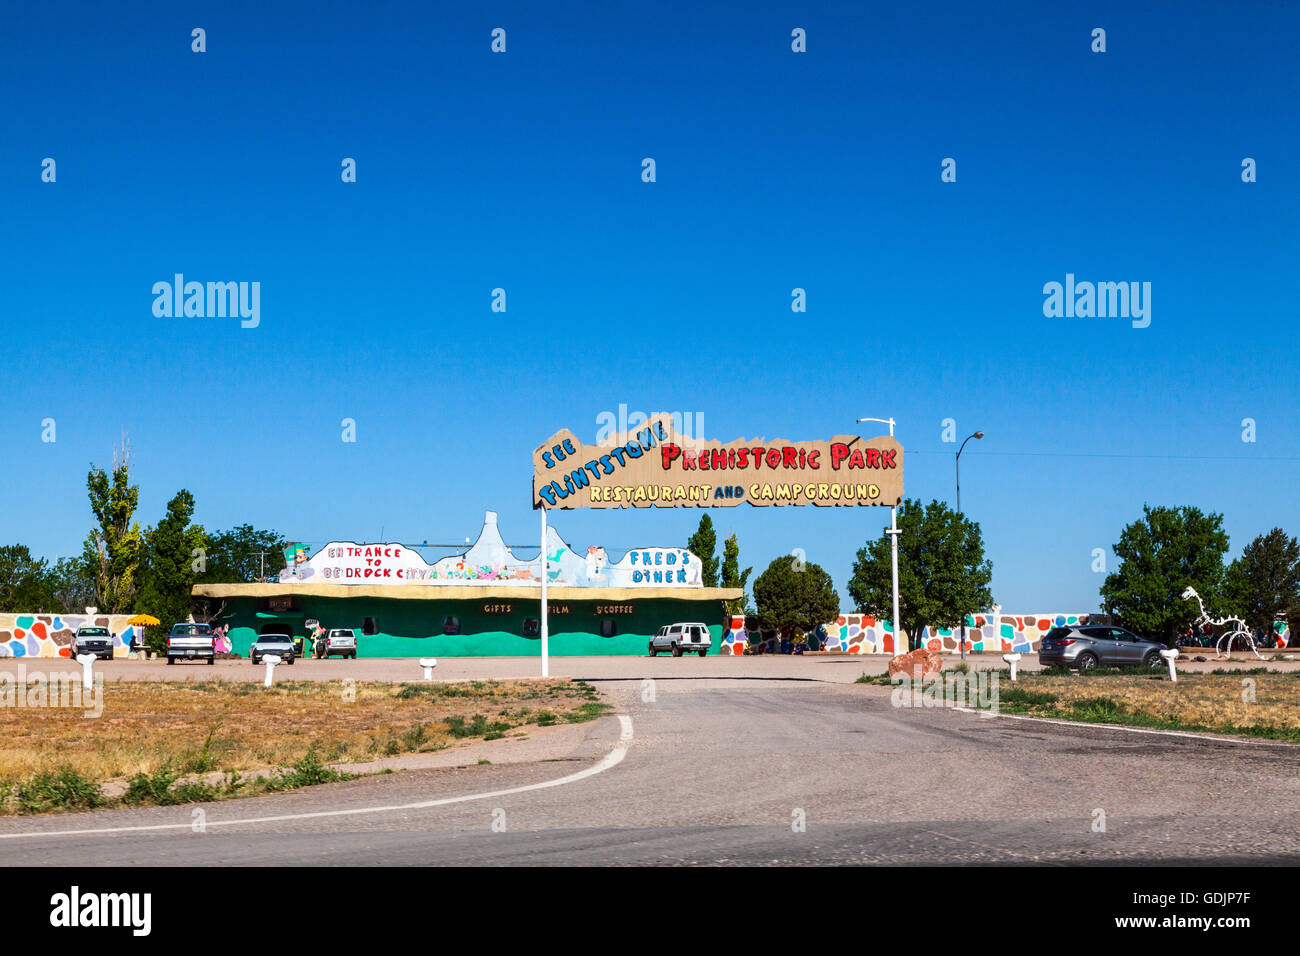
1133, 730
611, 759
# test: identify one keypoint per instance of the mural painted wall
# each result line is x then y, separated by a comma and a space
490, 560
999, 633
50, 635
864, 634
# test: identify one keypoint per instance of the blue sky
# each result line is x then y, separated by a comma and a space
775, 170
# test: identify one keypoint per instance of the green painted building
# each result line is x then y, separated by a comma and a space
482, 602
451, 621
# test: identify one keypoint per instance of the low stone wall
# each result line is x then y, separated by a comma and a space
864, 634
50, 635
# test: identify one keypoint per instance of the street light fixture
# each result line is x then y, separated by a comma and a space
977, 436
893, 541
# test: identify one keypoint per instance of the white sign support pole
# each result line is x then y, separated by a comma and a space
893, 533
893, 544
546, 663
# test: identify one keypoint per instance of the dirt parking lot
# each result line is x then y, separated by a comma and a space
835, 668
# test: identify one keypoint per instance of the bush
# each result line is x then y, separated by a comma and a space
155, 640
588, 711
150, 788
307, 772
62, 789
480, 726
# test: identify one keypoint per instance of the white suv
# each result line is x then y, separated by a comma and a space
681, 639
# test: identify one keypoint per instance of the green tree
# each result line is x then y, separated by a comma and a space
172, 549
1265, 580
704, 545
242, 555
74, 585
27, 583
1161, 554
942, 573
114, 549
732, 576
795, 596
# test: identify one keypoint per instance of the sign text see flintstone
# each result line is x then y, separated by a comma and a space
651, 470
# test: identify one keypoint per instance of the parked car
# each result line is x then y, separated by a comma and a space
279, 644
191, 642
681, 639
337, 640
93, 640
1084, 646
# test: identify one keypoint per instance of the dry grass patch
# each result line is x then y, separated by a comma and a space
1217, 703
158, 729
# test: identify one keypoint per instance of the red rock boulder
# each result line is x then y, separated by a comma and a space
920, 664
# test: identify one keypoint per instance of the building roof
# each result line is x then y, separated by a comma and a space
464, 592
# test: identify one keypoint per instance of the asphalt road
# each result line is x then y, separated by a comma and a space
721, 770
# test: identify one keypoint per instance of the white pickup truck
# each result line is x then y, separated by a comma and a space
93, 640
191, 642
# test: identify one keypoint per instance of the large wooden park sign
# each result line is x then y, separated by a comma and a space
652, 469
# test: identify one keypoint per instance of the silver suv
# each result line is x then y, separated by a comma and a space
338, 640
1086, 645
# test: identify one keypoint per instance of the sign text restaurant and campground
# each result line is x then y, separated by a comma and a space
652, 470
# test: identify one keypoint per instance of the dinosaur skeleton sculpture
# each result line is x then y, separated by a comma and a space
1239, 628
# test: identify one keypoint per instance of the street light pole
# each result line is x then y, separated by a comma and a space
977, 436
545, 629
893, 533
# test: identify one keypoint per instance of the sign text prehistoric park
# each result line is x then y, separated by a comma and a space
652, 470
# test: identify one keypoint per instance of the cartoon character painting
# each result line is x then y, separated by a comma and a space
295, 563
596, 561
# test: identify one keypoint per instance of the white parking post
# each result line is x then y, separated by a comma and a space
428, 663
270, 660
87, 662
1169, 656
1013, 660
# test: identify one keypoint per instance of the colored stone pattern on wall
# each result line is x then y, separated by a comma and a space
1018, 633
859, 634
864, 634
735, 638
50, 635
